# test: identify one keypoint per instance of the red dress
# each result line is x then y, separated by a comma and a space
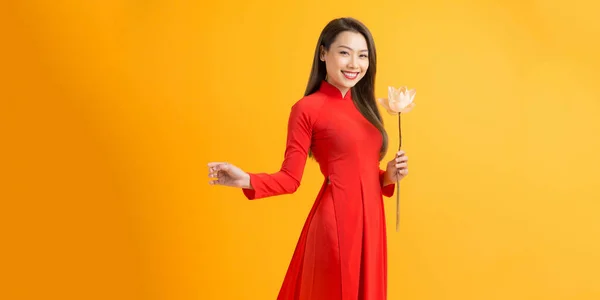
342, 250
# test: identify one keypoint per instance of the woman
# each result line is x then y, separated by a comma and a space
342, 252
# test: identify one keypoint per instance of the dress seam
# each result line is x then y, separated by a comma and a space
339, 248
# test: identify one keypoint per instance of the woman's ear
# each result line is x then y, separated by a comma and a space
322, 53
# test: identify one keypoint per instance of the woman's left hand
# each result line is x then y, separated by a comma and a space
397, 168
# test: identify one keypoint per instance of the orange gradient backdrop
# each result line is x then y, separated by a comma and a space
112, 109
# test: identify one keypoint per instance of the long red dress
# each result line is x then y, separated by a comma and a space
342, 250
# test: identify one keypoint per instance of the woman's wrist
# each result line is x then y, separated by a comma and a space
386, 179
246, 184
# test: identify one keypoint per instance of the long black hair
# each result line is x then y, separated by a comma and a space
363, 93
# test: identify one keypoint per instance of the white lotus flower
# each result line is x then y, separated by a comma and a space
399, 100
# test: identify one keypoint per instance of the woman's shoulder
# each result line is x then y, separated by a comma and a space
314, 101
308, 108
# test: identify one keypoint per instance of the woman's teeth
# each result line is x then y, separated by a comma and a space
350, 75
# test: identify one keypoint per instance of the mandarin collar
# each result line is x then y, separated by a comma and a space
332, 91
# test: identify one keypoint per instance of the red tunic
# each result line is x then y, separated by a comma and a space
342, 251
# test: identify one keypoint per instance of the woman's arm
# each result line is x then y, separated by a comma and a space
387, 186
288, 178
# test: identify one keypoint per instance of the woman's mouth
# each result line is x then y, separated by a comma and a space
350, 75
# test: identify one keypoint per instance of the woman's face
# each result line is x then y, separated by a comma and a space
347, 60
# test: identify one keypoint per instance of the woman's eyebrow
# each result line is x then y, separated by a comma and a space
344, 46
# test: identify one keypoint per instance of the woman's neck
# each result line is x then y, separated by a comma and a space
343, 90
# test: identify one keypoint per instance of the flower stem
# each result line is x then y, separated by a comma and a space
398, 181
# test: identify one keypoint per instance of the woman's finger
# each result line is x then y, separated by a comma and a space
214, 164
401, 165
218, 166
402, 158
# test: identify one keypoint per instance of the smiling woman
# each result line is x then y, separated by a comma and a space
342, 251
111, 106
347, 60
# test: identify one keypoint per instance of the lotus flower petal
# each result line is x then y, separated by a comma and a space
396, 106
386, 104
408, 108
399, 100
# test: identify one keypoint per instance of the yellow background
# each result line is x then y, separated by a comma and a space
112, 109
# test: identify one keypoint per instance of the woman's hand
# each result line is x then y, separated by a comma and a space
397, 168
222, 173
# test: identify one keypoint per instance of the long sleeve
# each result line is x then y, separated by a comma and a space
387, 190
288, 178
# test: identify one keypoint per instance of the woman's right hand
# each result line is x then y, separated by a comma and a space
222, 173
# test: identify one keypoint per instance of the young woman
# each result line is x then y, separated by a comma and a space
342, 251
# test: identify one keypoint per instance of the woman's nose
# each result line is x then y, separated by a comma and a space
352, 62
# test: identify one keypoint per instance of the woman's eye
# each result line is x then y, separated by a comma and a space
364, 55
343, 52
